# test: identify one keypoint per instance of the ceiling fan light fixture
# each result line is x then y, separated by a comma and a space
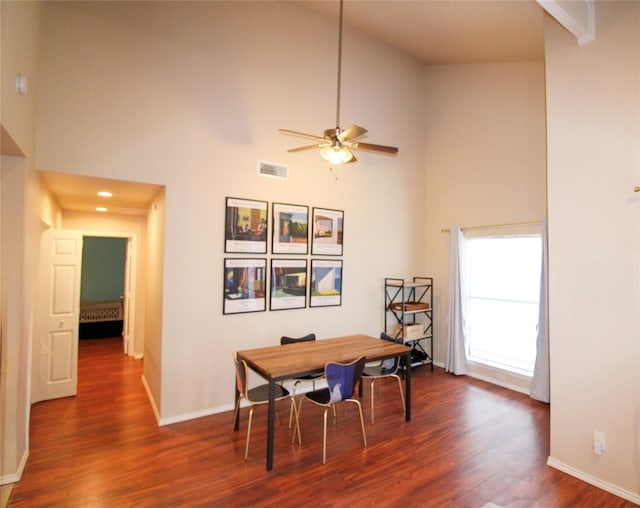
346, 155
336, 154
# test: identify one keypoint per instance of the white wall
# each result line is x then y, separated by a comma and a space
485, 162
20, 28
190, 96
593, 114
15, 340
156, 298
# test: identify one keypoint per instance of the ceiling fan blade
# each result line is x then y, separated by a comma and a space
301, 135
374, 148
352, 133
303, 148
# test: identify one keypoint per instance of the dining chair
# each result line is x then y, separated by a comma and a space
343, 380
309, 377
258, 395
385, 369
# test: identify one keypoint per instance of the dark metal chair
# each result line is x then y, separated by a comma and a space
309, 377
386, 369
256, 396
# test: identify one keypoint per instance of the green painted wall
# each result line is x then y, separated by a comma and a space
103, 264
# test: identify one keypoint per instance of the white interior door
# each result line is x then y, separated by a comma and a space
56, 346
129, 281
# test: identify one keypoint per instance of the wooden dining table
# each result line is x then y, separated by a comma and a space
290, 361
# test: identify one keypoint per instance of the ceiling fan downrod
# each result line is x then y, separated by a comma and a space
339, 69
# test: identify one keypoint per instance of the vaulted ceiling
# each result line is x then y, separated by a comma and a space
447, 31
431, 31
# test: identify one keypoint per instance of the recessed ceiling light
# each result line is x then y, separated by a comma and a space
105, 194
101, 209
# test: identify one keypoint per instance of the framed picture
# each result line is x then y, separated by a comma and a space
290, 229
288, 284
326, 283
327, 232
245, 283
246, 226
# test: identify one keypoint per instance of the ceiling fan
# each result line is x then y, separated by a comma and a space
337, 145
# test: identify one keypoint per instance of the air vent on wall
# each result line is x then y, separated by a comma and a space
273, 170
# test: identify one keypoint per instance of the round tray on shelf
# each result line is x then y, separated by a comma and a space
408, 306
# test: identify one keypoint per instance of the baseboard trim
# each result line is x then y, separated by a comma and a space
151, 400
15, 477
596, 482
195, 414
229, 407
504, 383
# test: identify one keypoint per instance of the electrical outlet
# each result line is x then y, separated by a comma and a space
598, 442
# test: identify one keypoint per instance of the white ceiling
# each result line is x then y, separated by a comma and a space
432, 31
80, 193
447, 31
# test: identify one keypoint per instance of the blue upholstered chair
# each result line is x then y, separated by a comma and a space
309, 377
256, 396
343, 380
386, 369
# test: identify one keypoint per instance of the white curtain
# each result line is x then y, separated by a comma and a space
456, 340
540, 382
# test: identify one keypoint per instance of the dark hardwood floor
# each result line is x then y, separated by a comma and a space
468, 443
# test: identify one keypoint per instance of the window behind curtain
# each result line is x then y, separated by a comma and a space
503, 292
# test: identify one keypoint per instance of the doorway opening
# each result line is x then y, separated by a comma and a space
107, 301
134, 215
102, 287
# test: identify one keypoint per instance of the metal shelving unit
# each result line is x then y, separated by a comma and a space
408, 313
